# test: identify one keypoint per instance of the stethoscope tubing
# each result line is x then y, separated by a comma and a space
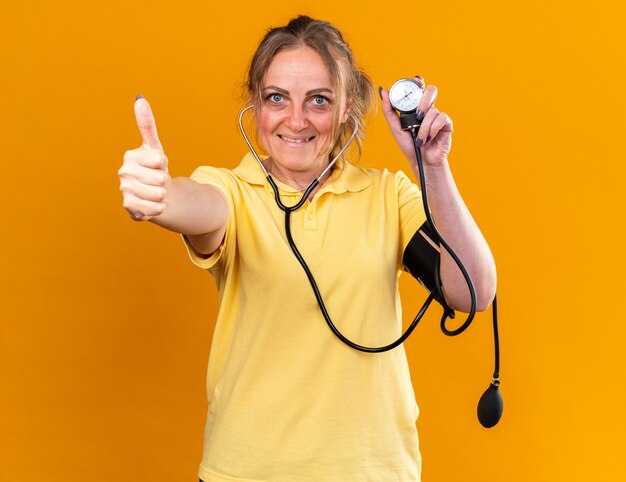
448, 312
490, 404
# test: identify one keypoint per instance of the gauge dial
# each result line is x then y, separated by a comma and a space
405, 95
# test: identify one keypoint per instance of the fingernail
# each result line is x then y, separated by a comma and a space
138, 97
380, 92
428, 139
418, 143
420, 114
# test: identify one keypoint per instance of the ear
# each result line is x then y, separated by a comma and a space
346, 112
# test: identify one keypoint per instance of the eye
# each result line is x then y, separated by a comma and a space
275, 97
320, 100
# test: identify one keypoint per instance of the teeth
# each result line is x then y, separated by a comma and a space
289, 139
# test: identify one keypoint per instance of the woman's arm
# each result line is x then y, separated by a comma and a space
452, 218
182, 205
456, 225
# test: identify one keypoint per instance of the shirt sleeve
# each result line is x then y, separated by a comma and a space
219, 179
411, 210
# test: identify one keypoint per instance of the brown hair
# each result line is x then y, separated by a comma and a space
352, 84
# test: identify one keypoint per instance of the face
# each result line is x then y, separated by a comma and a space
295, 120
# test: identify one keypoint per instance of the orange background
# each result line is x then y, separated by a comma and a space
105, 324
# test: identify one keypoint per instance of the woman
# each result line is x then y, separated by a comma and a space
287, 400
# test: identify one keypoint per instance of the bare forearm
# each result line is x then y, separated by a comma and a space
192, 208
458, 228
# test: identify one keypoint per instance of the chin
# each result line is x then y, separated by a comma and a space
297, 161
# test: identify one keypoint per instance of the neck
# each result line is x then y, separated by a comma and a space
299, 181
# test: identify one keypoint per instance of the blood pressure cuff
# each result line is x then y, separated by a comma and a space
421, 259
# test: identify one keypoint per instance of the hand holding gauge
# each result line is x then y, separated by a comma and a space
409, 105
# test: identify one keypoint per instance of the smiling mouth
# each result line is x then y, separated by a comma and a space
296, 140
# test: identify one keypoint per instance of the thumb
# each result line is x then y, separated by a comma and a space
391, 116
146, 124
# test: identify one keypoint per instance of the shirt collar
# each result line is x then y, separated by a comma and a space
345, 177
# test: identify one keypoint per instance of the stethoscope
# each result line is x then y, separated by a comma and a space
490, 405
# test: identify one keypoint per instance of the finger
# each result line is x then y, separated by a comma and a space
428, 99
386, 105
137, 216
391, 116
145, 175
132, 187
147, 157
441, 123
420, 80
424, 130
146, 124
139, 207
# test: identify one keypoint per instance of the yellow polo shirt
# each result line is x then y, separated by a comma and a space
287, 400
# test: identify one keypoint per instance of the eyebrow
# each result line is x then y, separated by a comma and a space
310, 92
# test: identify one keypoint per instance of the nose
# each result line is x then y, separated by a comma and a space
296, 119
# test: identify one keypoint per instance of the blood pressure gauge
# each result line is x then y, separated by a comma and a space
405, 96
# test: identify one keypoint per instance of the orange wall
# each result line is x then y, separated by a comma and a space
105, 324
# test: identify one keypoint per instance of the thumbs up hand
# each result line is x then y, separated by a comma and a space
144, 178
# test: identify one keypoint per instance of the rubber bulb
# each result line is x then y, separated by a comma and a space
490, 407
